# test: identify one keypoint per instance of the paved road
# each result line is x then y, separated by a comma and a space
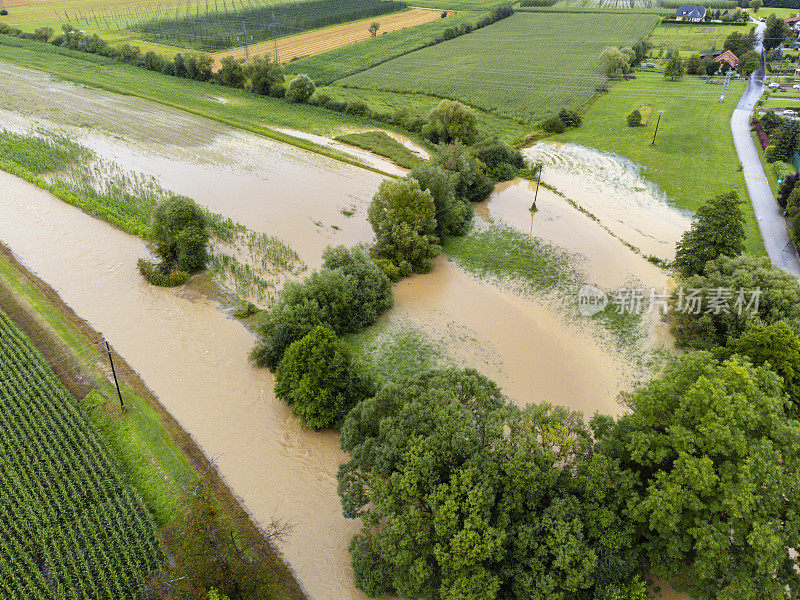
773, 228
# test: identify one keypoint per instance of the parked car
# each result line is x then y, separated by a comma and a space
789, 112
774, 86
796, 86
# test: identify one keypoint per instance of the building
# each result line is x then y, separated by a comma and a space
728, 57
793, 23
690, 12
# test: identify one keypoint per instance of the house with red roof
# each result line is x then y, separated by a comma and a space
793, 22
728, 57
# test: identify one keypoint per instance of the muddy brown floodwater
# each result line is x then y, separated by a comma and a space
194, 358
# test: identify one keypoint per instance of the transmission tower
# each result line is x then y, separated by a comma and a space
725, 87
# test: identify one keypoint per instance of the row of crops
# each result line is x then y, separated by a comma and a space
211, 29
526, 67
70, 526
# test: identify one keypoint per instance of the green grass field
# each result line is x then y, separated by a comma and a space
527, 66
692, 39
694, 156
380, 143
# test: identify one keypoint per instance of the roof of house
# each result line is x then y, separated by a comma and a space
729, 57
691, 11
793, 19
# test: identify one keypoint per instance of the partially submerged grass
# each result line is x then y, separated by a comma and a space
501, 251
378, 142
392, 352
251, 263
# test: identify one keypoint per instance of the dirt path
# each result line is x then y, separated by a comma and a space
322, 40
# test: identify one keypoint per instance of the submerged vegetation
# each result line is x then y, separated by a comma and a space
251, 263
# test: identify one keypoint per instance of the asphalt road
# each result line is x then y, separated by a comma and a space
773, 228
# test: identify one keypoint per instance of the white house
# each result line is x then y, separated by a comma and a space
690, 12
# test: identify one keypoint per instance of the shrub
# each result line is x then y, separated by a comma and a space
277, 90
553, 125
763, 138
501, 160
451, 122
635, 118
3, 12
781, 170
356, 107
317, 379
154, 276
319, 99
453, 215
300, 89
336, 105
570, 118
769, 153
472, 183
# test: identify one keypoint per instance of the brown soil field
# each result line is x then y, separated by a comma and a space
321, 40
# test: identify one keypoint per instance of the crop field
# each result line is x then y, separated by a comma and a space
526, 67
329, 38
210, 30
607, 3
692, 39
336, 63
68, 520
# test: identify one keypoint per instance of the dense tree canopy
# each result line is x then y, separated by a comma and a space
718, 229
463, 496
614, 61
300, 89
716, 469
739, 43
453, 215
403, 217
472, 182
697, 322
776, 33
316, 377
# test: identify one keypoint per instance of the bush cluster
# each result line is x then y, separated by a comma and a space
763, 138
635, 118
154, 274
561, 122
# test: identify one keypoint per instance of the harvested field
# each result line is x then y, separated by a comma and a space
322, 40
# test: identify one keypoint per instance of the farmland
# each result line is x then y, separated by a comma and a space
330, 38
514, 67
337, 63
214, 30
69, 520
692, 39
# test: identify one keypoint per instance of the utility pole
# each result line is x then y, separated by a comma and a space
114, 373
244, 39
653, 143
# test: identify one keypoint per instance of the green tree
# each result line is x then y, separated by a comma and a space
231, 73
718, 229
694, 65
317, 379
300, 89
453, 216
463, 496
180, 234
674, 68
614, 61
373, 28
403, 218
715, 461
472, 182
785, 141
776, 346
776, 33
264, 74
43, 34
739, 43
778, 298
451, 122
635, 118
347, 294
749, 63
755, 5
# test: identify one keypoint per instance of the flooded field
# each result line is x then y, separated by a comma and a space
267, 186
194, 357
613, 189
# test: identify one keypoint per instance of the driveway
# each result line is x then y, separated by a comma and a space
773, 228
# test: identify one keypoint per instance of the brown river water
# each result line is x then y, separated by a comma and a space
194, 357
